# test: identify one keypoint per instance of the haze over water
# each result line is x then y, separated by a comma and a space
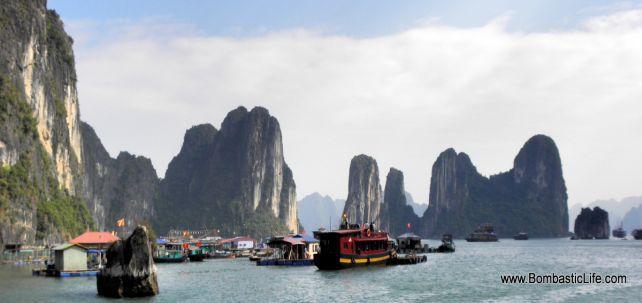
471, 274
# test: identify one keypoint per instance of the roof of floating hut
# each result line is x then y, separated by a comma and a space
68, 245
306, 238
95, 237
410, 236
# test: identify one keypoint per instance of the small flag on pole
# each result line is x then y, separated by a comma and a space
408, 225
121, 222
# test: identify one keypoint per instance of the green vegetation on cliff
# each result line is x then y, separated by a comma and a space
29, 182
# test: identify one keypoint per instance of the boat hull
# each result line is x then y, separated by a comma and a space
196, 258
170, 260
343, 261
277, 262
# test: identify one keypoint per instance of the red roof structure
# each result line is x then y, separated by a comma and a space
95, 237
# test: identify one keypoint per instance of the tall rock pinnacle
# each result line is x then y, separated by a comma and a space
364, 191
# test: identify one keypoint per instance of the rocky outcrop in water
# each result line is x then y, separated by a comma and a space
530, 198
592, 224
396, 214
121, 188
364, 191
234, 179
130, 269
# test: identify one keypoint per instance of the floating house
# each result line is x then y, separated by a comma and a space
95, 240
297, 250
238, 243
312, 244
96, 243
70, 257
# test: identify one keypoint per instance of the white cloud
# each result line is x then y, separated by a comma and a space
401, 98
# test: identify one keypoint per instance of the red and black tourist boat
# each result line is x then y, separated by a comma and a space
352, 245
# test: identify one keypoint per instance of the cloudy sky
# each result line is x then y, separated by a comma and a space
398, 81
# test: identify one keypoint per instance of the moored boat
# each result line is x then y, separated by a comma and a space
619, 232
167, 252
484, 233
521, 236
196, 255
352, 245
637, 234
447, 244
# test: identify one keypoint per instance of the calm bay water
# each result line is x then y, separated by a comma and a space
472, 274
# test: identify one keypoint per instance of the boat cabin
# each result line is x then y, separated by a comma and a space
409, 242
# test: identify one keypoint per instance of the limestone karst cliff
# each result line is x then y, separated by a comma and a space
364, 191
396, 213
531, 197
40, 141
57, 180
234, 179
592, 224
121, 188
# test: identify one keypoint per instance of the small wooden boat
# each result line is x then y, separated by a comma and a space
171, 259
196, 255
169, 253
447, 244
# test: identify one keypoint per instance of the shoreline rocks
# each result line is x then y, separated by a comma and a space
130, 269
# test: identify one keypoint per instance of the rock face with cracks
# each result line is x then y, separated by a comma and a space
130, 269
592, 224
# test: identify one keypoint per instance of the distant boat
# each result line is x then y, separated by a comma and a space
637, 234
484, 233
196, 255
447, 244
521, 236
619, 232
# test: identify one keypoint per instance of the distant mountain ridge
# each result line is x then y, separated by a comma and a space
316, 211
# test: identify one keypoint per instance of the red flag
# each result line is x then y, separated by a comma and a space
408, 225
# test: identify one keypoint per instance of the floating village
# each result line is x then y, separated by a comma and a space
350, 245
